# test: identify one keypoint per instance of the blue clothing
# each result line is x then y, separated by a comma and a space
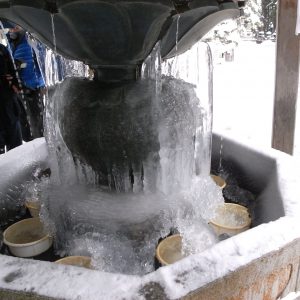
10, 130
31, 76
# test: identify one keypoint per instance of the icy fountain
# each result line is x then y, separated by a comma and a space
114, 38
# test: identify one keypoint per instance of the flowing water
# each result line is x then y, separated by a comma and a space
53, 32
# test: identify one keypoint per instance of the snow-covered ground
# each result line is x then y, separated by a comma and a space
292, 296
244, 94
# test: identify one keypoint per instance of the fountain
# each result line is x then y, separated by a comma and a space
141, 145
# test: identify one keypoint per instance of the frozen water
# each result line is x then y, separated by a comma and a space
56, 68
130, 163
195, 67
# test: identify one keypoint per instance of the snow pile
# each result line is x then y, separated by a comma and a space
288, 171
22, 158
292, 296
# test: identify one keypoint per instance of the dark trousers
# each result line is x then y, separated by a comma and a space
25, 127
11, 137
34, 106
10, 129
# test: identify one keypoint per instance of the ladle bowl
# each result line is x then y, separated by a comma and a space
78, 261
231, 219
27, 238
169, 250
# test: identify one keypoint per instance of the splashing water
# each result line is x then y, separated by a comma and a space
221, 155
53, 32
120, 184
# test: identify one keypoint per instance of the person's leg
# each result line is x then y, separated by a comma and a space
2, 143
35, 110
14, 136
25, 127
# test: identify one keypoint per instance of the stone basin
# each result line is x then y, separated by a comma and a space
115, 37
261, 263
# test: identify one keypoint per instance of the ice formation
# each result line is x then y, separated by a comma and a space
131, 163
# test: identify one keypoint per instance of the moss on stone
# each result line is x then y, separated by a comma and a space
21, 295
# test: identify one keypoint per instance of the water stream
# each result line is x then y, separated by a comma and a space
53, 32
220, 155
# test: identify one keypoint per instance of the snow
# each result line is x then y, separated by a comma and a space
243, 93
52, 279
18, 165
20, 157
177, 279
292, 296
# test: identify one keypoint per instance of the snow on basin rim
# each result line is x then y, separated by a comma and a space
54, 280
179, 279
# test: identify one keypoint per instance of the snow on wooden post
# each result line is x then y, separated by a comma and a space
287, 76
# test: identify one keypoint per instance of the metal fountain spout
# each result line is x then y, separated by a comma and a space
115, 36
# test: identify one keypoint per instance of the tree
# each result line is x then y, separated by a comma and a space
251, 21
269, 11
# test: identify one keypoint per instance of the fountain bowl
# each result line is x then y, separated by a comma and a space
169, 250
78, 261
231, 219
27, 238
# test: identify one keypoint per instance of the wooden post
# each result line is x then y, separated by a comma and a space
287, 76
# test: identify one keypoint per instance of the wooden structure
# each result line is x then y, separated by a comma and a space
287, 77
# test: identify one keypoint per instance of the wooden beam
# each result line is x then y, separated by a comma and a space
287, 77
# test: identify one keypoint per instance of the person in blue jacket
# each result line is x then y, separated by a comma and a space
10, 129
32, 81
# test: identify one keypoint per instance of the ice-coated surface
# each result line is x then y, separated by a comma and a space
54, 67
152, 134
18, 167
145, 146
